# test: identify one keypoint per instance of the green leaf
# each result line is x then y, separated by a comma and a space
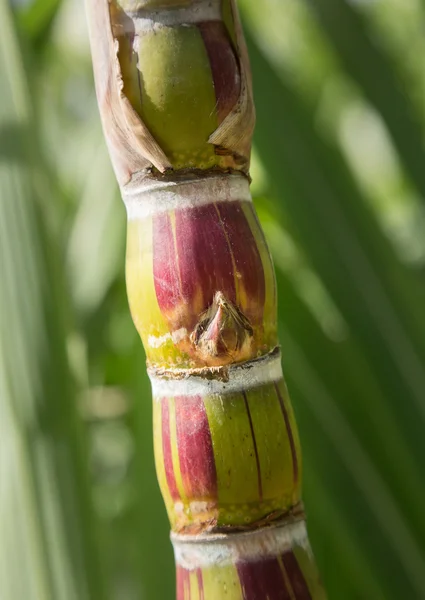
48, 548
36, 20
359, 401
373, 70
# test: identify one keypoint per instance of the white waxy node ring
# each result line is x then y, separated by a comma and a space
203, 551
153, 197
201, 11
248, 375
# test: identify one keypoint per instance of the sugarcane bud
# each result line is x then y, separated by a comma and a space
223, 334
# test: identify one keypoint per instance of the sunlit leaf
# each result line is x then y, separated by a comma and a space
48, 549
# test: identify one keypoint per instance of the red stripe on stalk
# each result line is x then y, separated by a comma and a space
194, 443
249, 267
261, 241
165, 265
296, 577
183, 591
262, 578
181, 575
200, 584
224, 66
208, 249
167, 451
205, 260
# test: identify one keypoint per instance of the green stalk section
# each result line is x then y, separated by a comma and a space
174, 91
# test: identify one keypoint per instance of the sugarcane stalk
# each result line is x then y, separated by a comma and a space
174, 91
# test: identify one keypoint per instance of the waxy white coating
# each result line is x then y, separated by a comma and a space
245, 376
156, 196
210, 550
200, 12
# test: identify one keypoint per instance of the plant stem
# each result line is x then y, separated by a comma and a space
174, 92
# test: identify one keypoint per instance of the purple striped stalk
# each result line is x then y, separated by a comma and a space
174, 91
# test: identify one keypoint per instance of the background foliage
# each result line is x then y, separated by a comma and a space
339, 183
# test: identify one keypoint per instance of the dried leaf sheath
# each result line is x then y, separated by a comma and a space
174, 90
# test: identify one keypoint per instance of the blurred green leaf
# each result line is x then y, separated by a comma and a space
48, 548
36, 19
365, 443
367, 63
341, 413
96, 244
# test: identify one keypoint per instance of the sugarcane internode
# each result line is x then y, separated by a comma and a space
174, 91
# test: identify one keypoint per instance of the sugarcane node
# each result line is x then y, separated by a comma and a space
207, 373
222, 151
276, 518
189, 174
140, 5
223, 332
220, 373
209, 526
239, 159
